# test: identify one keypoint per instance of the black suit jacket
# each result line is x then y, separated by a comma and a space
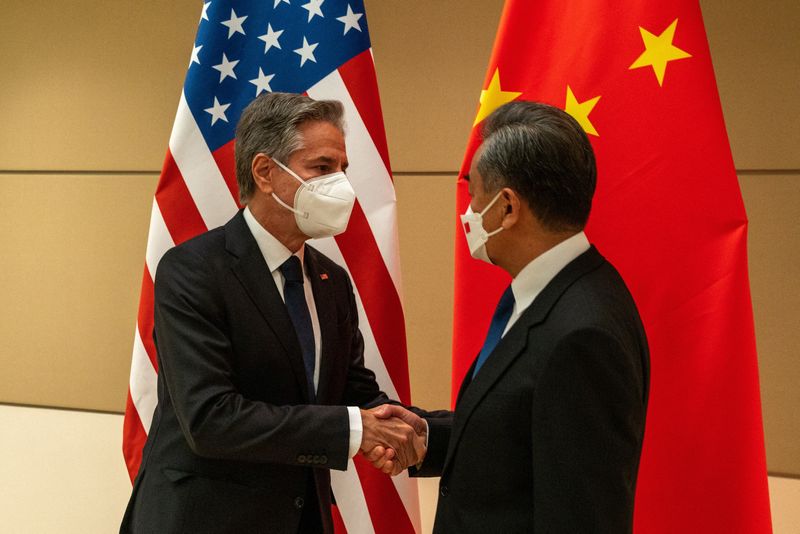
235, 445
548, 435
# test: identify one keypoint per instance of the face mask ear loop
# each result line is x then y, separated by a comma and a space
494, 232
303, 214
291, 172
484, 210
490, 204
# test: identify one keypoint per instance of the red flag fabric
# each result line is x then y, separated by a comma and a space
242, 49
669, 215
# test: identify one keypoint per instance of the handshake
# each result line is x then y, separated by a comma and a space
393, 439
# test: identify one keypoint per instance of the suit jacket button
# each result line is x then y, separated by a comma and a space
323, 459
316, 459
444, 491
299, 503
301, 459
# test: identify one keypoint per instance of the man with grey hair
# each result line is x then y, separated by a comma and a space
261, 369
549, 422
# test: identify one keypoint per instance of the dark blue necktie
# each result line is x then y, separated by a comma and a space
295, 298
499, 320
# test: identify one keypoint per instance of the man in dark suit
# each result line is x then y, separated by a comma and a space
548, 426
260, 356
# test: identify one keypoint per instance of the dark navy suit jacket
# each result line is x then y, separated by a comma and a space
547, 437
236, 445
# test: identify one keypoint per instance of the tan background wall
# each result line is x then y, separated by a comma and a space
88, 94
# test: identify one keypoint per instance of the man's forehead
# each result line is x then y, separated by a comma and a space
317, 129
322, 134
320, 153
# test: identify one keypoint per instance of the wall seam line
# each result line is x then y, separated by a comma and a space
61, 408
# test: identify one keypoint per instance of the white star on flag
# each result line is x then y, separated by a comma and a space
279, 1
204, 14
217, 111
226, 68
314, 8
350, 20
306, 52
271, 38
195, 55
234, 24
262, 82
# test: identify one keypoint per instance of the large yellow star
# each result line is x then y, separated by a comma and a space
659, 50
580, 111
493, 97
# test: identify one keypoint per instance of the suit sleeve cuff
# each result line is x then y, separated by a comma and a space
356, 430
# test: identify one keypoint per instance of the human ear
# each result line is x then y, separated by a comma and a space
512, 207
262, 169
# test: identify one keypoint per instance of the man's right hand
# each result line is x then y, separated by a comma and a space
390, 443
396, 438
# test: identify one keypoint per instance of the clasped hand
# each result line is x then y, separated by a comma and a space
394, 438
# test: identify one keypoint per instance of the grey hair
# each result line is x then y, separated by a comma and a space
543, 154
269, 125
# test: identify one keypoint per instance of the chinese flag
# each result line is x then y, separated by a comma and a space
669, 215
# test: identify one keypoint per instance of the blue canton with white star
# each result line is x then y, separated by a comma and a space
244, 48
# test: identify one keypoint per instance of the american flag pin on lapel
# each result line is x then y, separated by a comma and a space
324, 276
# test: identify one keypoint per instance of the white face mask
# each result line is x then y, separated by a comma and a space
476, 234
322, 205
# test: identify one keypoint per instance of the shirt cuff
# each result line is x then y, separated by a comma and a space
356, 430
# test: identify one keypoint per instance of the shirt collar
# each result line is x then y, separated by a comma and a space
533, 278
274, 252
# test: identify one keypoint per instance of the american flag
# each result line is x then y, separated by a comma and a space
320, 48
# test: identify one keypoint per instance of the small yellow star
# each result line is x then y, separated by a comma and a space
493, 97
580, 111
659, 50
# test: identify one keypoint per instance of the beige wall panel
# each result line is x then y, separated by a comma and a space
784, 494
756, 51
89, 84
71, 273
427, 227
62, 472
773, 208
431, 58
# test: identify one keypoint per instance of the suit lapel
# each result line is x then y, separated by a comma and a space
473, 390
252, 271
326, 314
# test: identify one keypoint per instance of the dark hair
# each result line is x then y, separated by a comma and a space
269, 125
543, 154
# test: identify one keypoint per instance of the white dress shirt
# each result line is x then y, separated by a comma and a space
530, 281
275, 254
